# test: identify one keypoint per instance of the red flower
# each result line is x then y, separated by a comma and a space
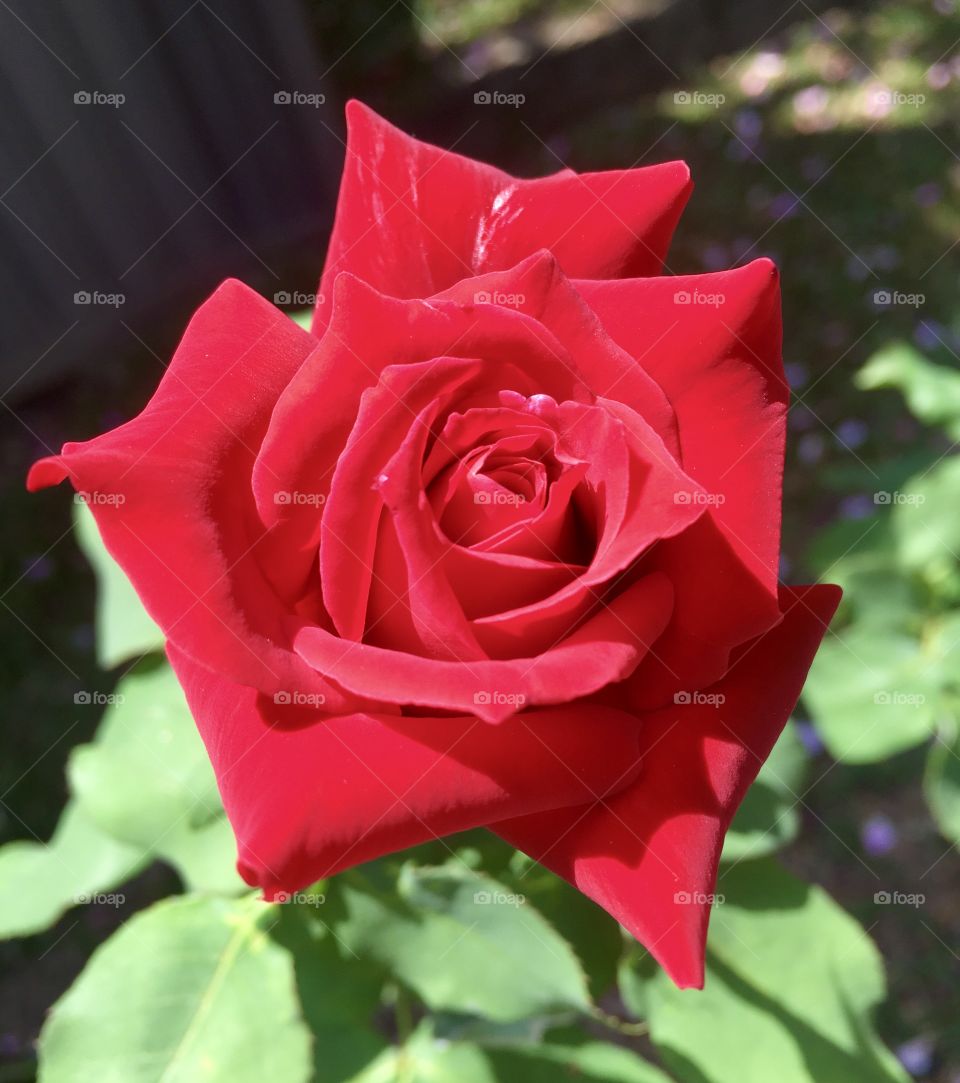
497, 547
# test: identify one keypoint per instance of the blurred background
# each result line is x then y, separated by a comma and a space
151, 149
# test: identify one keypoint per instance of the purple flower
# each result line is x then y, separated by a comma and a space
748, 125
928, 194
858, 506
715, 257
878, 835
810, 448
852, 432
797, 374
809, 737
916, 1056
37, 568
928, 334
783, 206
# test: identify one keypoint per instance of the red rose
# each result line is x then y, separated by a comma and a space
497, 547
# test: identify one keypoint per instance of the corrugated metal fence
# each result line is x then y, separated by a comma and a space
147, 150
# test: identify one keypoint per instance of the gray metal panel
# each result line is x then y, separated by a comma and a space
97, 198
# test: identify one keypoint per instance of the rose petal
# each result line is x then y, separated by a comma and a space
413, 219
184, 527
720, 366
721, 369
649, 855
605, 648
309, 795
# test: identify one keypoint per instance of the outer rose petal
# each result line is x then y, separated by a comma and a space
413, 219
186, 532
721, 369
662, 836
308, 796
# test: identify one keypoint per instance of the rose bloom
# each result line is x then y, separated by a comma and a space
496, 544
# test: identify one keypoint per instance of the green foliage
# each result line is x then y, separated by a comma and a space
192, 989
40, 881
932, 392
886, 681
146, 779
792, 983
456, 937
124, 629
426, 1058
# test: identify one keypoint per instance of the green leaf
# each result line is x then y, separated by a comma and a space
146, 779
926, 526
873, 692
124, 629
463, 942
791, 986
595, 937
932, 391
591, 1062
192, 989
339, 993
428, 1059
41, 881
768, 819
302, 318
941, 781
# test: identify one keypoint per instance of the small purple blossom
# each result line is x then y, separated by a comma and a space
810, 448
852, 432
715, 257
783, 205
928, 194
809, 737
796, 373
878, 835
858, 506
748, 124
916, 1056
928, 334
